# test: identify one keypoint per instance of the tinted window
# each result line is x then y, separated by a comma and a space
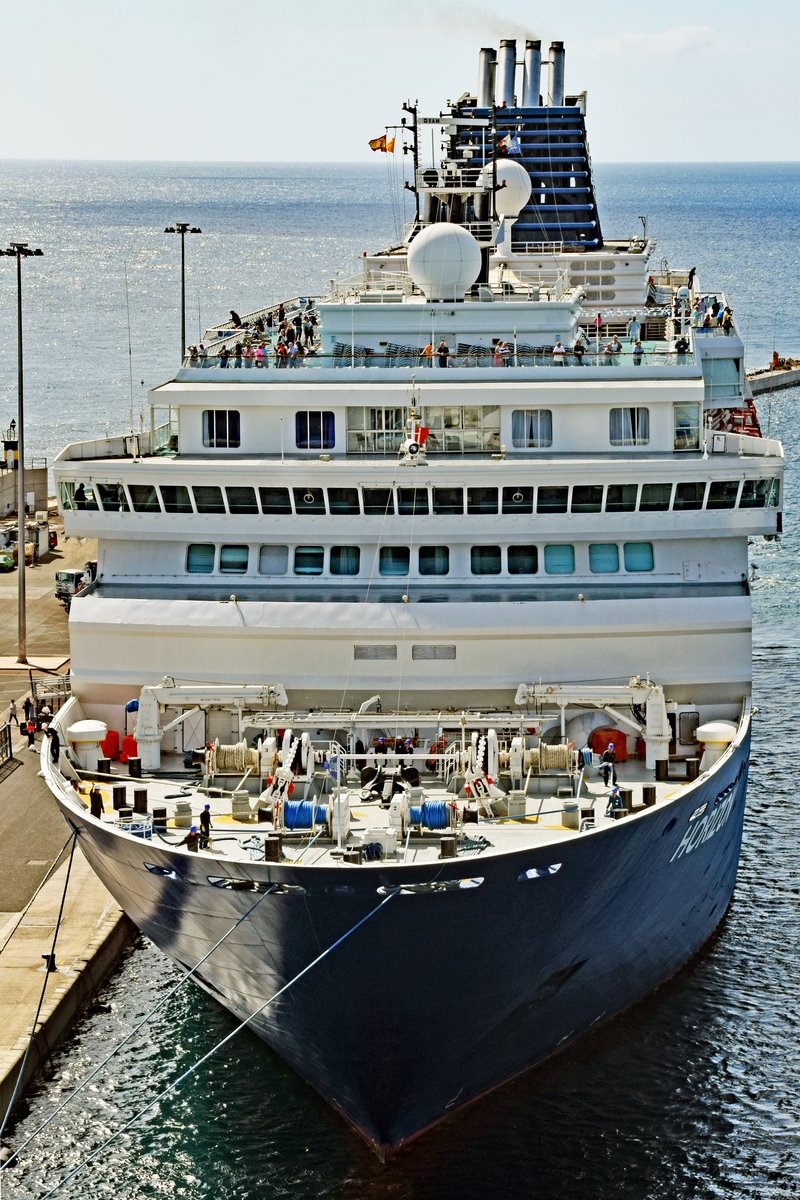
587, 498
412, 501
233, 559
308, 500
221, 428
113, 498
274, 500
241, 500
655, 497
523, 560
434, 560
309, 560
689, 495
378, 501
144, 497
551, 500
481, 500
314, 430
485, 560
448, 500
517, 499
394, 560
343, 500
176, 498
621, 497
559, 560
200, 559
208, 499
603, 558
722, 493
345, 560
638, 556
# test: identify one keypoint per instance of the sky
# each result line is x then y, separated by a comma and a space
208, 80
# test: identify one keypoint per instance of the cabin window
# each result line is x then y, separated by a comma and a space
233, 560
309, 560
412, 501
523, 560
722, 493
144, 497
517, 499
629, 426
208, 499
686, 424
448, 500
314, 430
200, 559
394, 560
481, 500
587, 498
343, 501
274, 500
112, 497
374, 430
434, 560
175, 498
241, 500
754, 493
603, 558
273, 560
552, 500
462, 429
531, 428
689, 496
638, 556
378, 502
221, 428
485, 560
655, 497
345, 560
559, 559
621, 497
308, 500
79, 495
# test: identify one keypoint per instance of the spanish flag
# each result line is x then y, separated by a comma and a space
381, 143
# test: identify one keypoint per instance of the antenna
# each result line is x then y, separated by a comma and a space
130, 352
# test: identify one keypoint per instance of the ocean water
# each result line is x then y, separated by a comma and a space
693, 1094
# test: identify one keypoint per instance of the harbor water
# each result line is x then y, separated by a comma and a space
693, 1094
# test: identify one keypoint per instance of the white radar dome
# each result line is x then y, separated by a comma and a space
444, 260
511, 199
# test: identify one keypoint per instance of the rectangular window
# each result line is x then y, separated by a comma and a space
374, 430
448, 500
394, 560
79, 495
587, 498
221, 428
412, 501
208, 499
523, 560
434, 560
552, 500
629, 426
686, 424
144, 497
774, 493
559, 560
481, 500
200, 559
175, 498
517, 499
233, 559
378, 502
273, 560
754, 493
314, 430
432, 653
722, 493
621, 497
343, 501
603, 558
638, 556
112, 497
485, 560
241, 500
655, 497
722, 382
309, 560
375, 653
345, 560
689, 496
308, 500
274, 500
531, 428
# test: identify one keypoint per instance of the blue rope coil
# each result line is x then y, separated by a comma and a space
430, 815
303, 814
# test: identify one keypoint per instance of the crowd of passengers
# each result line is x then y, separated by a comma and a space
277, 337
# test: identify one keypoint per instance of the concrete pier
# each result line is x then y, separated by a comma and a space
34, 841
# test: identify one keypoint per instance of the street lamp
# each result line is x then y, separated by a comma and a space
20, 250
183, 227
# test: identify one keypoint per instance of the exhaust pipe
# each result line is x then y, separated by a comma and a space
486, 68
531, 73
555, 98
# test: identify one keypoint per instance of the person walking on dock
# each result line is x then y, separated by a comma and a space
30, 729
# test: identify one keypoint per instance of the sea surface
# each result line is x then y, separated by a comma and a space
693, 1095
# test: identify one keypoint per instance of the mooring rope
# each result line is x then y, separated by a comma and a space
214, 1049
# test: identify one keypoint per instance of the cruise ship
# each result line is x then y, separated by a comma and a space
432, 593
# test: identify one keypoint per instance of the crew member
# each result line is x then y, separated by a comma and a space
192, 840
205, 827
608, 767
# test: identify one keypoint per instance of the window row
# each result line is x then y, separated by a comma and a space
604, 558
450, 429
421, 501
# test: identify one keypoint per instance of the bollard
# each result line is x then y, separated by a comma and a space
140, 800
447, 847
272, 848
649, 795
692, 768
160, 819
118, 795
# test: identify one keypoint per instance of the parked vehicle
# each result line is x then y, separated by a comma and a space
71, 580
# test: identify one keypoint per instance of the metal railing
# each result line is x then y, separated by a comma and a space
488, 358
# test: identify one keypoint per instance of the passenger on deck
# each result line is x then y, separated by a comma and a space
236, 319
558, 354
55, 744
634, 329
577, 352
224, 355
442, 353
637, 353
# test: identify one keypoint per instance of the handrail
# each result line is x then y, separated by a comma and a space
476, 356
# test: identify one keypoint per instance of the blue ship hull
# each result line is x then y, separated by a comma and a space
440, 997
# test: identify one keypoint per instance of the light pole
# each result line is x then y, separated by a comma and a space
183, 227
20, 250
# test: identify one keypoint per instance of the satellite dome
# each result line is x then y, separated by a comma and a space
444, 260
510, 200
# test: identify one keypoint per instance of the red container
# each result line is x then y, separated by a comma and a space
129, 749
110, 745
